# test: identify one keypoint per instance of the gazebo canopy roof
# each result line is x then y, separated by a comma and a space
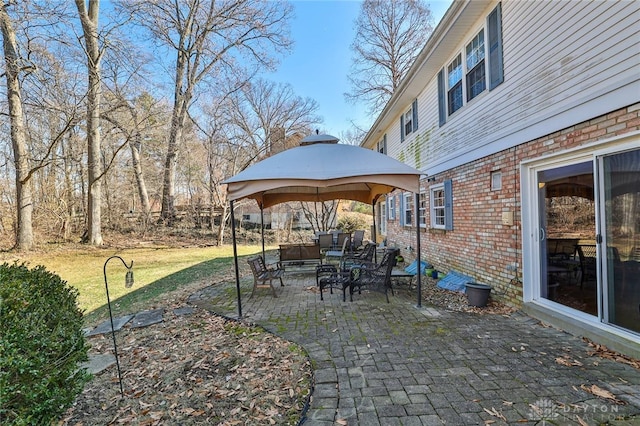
320, 169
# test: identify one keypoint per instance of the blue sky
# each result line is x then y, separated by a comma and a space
317, 68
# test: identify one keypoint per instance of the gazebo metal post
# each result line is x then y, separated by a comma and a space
262, 230
373, 231
235, 259
419, 260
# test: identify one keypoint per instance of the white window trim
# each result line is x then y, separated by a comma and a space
381, 146
466, 70
408, 121
462, 82
391, 205
407, 206
423, 208
496, 175
463, 57
432, 207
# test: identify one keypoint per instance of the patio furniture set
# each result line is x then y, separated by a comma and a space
325, 247
357, 273
341, 269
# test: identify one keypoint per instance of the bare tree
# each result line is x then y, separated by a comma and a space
221, 160
266, 115
248, 122
353, 136
49, 108
389, 36
13, 69
322, 215
134, 120
89, 20
207, 37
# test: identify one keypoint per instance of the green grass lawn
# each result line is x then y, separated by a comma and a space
157, 272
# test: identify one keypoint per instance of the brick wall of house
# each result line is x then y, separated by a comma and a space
480, 245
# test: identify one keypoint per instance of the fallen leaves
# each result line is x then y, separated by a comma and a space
457, 301
495, 413
603, 352
602, 393
568, 362
197, 369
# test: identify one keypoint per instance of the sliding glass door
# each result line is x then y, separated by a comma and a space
588, 236
566, 210
620, 251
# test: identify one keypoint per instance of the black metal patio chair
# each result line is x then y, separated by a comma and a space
363, 257
374, 277
328, 276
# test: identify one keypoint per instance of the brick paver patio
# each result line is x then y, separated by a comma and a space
378, 363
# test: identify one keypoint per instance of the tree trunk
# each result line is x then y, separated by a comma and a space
89, 20
24, 231
221, 226
169, 179
137, 170
178, 116
628, 220
67, 159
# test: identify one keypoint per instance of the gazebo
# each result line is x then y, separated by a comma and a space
321, 169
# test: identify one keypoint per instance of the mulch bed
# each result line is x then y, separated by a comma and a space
456, 301
196, 369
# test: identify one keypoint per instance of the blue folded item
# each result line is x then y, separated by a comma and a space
455, 281
412, 269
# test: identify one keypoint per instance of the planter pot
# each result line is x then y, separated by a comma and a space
477, 294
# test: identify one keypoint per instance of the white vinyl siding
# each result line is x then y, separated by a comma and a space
578, 61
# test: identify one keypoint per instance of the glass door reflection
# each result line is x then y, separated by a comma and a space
621, 272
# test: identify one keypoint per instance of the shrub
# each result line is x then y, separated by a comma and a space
350, 222
41, 346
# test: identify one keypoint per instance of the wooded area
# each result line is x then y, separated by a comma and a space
126, 115
92, 139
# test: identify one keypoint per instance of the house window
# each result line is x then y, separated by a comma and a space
496, 181
422, 210
391, 208
409, 121
454, 75
482, 66
382, 145
246, 217
408, 124
476, 81
407, 209
437, 207
441, 208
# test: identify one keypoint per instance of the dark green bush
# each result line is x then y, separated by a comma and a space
41, 346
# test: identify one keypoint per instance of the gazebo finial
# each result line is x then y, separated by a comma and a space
318, 138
